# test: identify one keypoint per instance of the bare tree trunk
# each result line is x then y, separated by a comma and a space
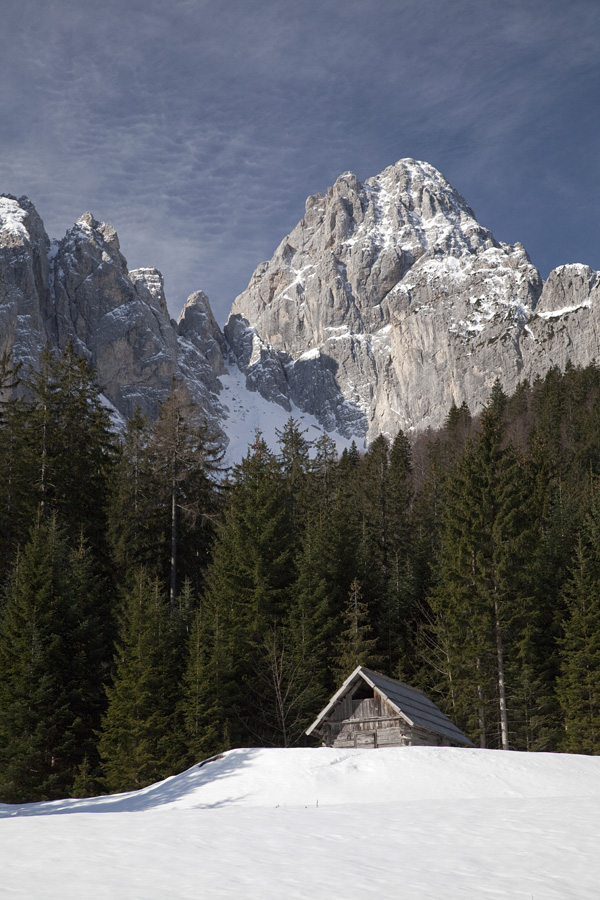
276, 662
173, 580
481, 711
43, 464
501, 679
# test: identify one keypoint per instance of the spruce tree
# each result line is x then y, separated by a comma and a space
51, 669
376, 517
249, 582
205, 732
133, 518
17, 495
139, 741
334, 551
71, 443
578, 686
401, 614
355, 645
185, 456
317, 582
294, 457
484, 587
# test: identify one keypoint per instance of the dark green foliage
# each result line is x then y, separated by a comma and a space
355, 646
184, 456
400, 613
451, 561
70, 443
139, 741
52, 663
202, 716
483, 589
579, 681
18, 500
55, 455
249, 588
165, 498
294, 458
133, 527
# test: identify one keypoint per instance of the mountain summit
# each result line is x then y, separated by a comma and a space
385, 302
385, 305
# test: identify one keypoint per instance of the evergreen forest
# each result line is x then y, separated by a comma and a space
156, 608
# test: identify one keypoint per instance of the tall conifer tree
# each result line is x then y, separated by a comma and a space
185, 456
133, 523
579, 681
139, 740
356, 645
52, 663
18, 500
483, 586
249, 584
70, 432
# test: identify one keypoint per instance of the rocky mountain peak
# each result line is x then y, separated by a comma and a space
99, 231
568, 286
19, 221
385, 305
80, 289
198, 325
150, 284
380, 282
24, 274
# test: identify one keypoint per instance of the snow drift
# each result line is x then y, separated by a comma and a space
418, 822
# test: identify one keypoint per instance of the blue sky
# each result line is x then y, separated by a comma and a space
199, 127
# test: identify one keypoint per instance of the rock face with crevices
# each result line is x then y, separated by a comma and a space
565, 326
80, 289
24, 268
116, 318
385, 305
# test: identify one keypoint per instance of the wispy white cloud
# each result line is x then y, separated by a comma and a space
199, 128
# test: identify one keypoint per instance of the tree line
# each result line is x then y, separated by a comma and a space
156, 609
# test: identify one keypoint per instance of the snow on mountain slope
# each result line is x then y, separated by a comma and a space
404, 302
248, 412
407, 822
386, 304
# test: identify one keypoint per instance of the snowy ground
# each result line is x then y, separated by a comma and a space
414, 823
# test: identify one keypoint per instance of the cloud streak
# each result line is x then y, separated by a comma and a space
199, 129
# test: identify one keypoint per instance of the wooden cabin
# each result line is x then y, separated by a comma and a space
372, 710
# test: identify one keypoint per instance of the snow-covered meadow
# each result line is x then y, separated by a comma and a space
415, 823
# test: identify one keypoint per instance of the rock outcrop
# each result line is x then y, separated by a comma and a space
80, 289
566, 324
24, 268
116, 318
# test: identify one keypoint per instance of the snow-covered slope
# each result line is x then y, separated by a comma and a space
436, 823
248, 413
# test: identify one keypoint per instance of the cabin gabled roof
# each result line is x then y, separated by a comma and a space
411, 705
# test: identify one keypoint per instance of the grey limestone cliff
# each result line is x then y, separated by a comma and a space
24, 268
565, 326
80, 289
385, 305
